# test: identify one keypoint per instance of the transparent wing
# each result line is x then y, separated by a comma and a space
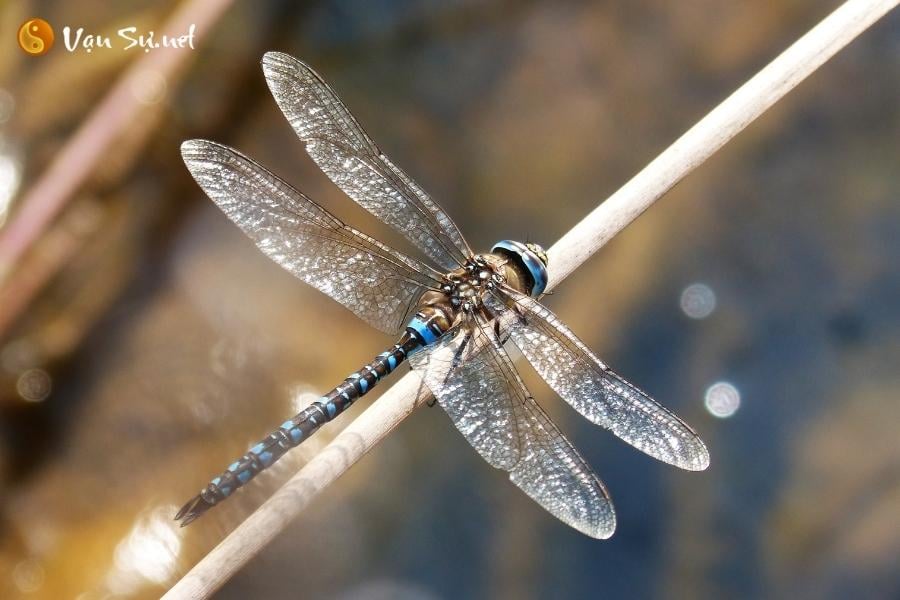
550, 470
591, 388
555, 476
474, 393
483, 389
337, 143
377, 283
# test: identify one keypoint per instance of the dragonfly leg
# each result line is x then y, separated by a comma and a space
458, 355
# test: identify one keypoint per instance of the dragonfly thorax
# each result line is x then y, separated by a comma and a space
465, 288
461, 293
522, 267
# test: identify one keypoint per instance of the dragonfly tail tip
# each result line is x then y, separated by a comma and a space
192, 510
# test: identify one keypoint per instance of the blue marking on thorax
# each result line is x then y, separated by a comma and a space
233, 466
331, 408
226, 490
216, 481
245, 476
363, 384
296, 435
391, 362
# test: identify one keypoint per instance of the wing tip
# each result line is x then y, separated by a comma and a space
273, 57
189, 147
699, 461
703, 462
208, 150
273, 62
192, 148
695, 460
603, 530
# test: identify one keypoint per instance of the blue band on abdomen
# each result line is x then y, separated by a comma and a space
422, 331
390, 361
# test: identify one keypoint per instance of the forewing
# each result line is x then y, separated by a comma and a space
337, 143
474, 392
377, 283
591, 388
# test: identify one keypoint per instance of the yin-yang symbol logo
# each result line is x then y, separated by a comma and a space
36, 36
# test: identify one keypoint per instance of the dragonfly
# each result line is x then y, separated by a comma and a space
453, 315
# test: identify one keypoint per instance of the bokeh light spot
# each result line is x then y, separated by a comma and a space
34, 385
28, 576
722, 399
698, 301
148, 553
302, 396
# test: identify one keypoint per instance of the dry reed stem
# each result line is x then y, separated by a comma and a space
613, 215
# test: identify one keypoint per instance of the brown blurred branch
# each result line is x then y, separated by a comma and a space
94, 140
688, 152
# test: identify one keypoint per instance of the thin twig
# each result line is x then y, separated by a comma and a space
689, 151
84, 151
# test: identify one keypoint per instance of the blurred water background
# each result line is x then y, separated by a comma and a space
145, 342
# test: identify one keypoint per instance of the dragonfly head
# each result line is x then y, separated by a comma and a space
530, 259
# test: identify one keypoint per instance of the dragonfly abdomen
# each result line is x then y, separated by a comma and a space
295, 431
